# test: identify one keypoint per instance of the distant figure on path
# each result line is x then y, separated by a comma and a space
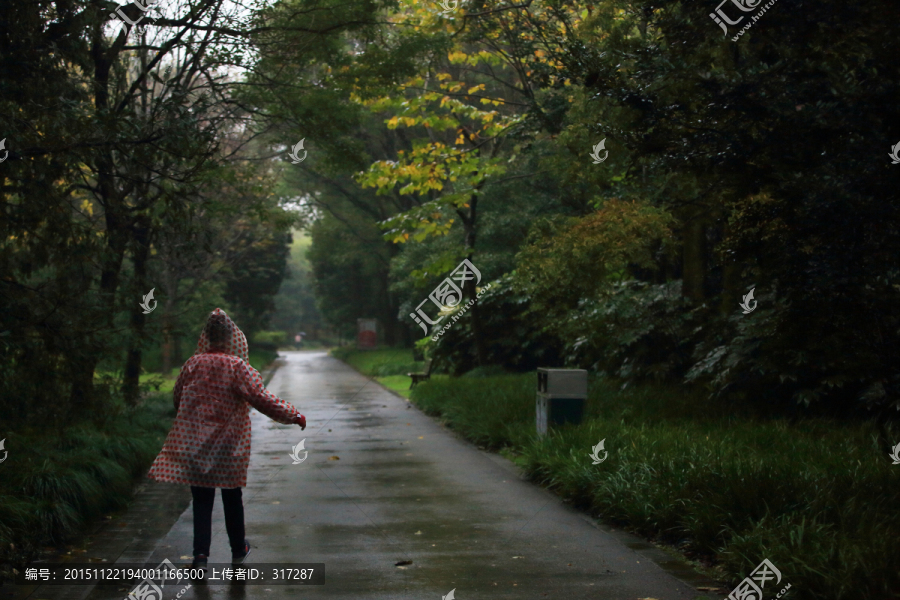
209, 444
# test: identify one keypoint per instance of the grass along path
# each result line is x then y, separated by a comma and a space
721, 484
57, 480
388, 366
818, 498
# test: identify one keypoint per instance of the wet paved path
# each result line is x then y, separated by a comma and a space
402, 488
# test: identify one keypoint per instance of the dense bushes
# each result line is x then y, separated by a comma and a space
54, 481
513, 338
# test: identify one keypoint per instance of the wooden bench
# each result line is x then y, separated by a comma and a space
417, 377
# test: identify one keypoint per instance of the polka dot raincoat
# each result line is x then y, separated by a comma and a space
209, 444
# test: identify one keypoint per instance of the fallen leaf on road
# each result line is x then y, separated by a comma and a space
276, 502
334, 458
409, 423
185, 557
421, 437
518, 557
402, 563
418, 533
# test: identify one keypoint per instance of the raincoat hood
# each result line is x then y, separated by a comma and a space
236, 347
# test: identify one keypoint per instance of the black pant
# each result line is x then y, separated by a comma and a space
234, 518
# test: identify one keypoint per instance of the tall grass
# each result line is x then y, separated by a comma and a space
817, 497
54, 482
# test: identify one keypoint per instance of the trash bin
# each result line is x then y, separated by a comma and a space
561, 394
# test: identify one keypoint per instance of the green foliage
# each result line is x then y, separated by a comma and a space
489, 371
514, 339
717, 481
116, 185
256, 278
349, 274
488, 411
295, 303
270, 337
634, 330
383, 362
261, 358
58, 481
388, 366
564, 263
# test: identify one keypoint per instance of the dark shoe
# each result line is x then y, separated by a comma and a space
199, 561
238, 559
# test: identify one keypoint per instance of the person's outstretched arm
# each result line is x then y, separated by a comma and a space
249, 385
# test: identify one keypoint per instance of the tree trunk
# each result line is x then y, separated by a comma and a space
477, 330
169, 321
131, 383
694, 260
731, 280
81, 396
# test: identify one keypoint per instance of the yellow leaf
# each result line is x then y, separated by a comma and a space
457, 56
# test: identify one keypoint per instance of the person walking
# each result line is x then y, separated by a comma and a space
208, 446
